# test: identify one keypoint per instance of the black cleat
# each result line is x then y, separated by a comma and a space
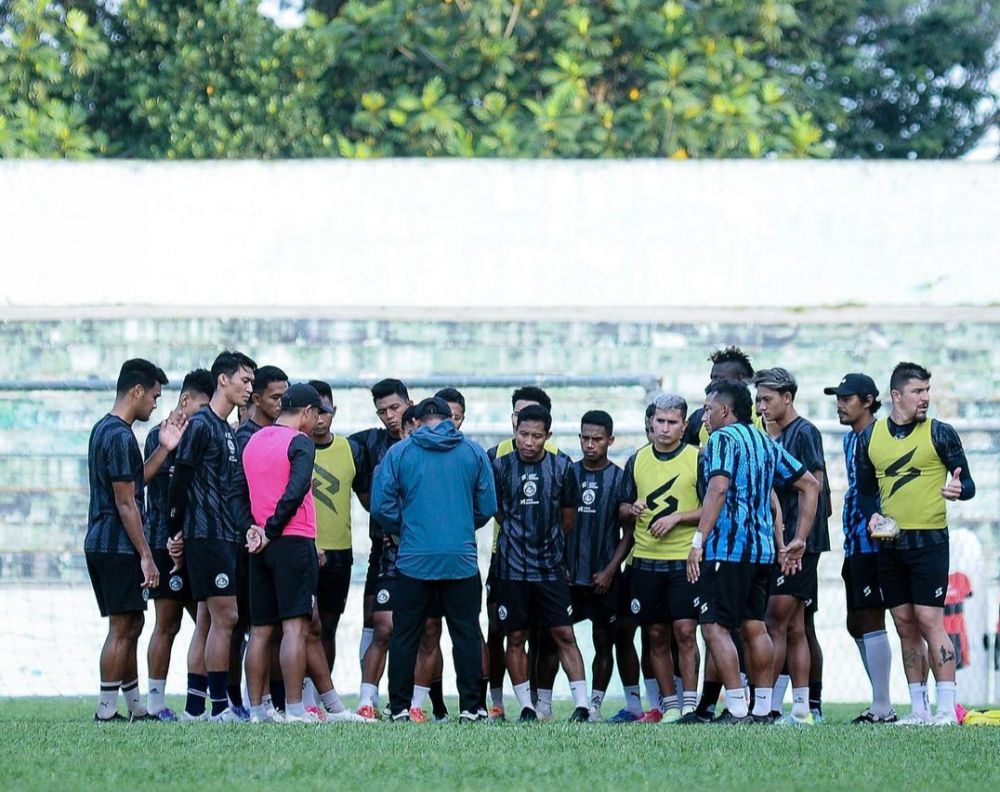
580, 715
528, 715
116, 718
869, 717
728, 719
766, 720
695, 717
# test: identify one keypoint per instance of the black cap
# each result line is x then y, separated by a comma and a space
302, 395
435, 405
854, 385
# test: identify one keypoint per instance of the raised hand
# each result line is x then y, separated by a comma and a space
953, 489
172, 429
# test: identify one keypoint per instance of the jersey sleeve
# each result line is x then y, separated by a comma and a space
301, 457
362, 478
118, 456
809, 450
151, 444
192, 445
787, 469
720, 456
568, 497
864, 470
949, 448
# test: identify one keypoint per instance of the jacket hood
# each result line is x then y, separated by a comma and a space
442, 437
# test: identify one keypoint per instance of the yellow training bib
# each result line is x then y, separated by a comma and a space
667, 486
910, 476
333, 474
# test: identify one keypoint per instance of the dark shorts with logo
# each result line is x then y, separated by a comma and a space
117, 582
915, 575
803, 585
283, 580
172, 586
523, 604
334, 581
385, 582
733, 592
661, 592
860, 574
374, 562
601, 609
213, 568
492, 589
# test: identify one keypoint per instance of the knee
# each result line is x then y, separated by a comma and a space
382, 634
561, 637
134, 627
685, 637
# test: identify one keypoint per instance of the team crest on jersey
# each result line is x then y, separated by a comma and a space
636, 605
221, 580
530, 489
502, 613
589, 496
382, 597
176, 583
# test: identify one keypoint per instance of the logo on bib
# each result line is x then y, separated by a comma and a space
382, 597
502, 613
221, 580
636, 605
176, 583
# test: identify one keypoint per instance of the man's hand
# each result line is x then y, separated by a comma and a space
172, 429
601, 581
150, 574
794, 551
256, 539
874, 522
694, 564
321, 556
175, 547
953, 489
664, 525
638, 508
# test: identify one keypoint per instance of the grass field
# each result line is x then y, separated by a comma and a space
51, 744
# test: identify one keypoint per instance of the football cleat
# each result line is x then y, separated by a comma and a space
914, 719
672, 715
469, 717
870, 717
497, 713
417, 715
728, 719
528, 715
320, 714
595, 715
652, 716
187, 717
791, 719
580, 715
944, 719
818, 718
307, 717
401, 717
766, 720
241, 712
345, 716
116, 718
166, 715
368, 712
226, 716
623, 716
134, 718
695, 717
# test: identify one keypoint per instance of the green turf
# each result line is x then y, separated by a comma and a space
50, 744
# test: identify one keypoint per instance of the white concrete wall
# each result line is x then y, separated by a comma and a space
644, 234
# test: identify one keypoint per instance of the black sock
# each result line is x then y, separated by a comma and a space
816, 696
486, 691
217, 683
753, 696
235, 695
278, 693
197, 690
437, 699
710, 693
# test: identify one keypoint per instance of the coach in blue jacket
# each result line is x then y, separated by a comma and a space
434, 490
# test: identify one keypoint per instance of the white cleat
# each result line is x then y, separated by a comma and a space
944, 719
914, 719
226, 716
346, 716
187, 717
308, 717
595, 715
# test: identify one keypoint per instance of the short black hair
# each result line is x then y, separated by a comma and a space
598, 418
452, 395
650, 410
138, 371
535, 412
736, 394
409, 415
322, 388
733, 354
229, 363
389, 387
531, 393
904, 372
265, 376
875, 406
198, 381
777, 379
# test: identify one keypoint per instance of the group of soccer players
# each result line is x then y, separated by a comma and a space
718, 521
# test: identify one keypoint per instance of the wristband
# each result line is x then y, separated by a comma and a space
696, 541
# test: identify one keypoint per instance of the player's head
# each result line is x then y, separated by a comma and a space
668, 421
776, 389
432, 411
597, 434
269, 385
325, 418
140, 383
196, 391
233, 375
727, 402
857, 398
456, 400
730, 363
409, 423
301, 406
533, 429
391, 398
525, 397
910, 391
650, 409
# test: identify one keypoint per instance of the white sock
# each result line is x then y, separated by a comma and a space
375, 697
946, 697
297, 710
310, 696
368, 695
879, 656
331, 701
668, 702
762, 701
746, 686
690, 699
420, 694
778, 694
132, 697
862, 643
366, 641
652, 693
800, 702
107, 702
579, 691
596, 699
544, 705
736, 703
522, 693
918, 699
265, 702
926, 697
496, 696
156, 696
678, 684
633, 700
260, 711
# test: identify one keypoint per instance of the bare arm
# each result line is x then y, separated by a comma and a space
711, 508
124, 492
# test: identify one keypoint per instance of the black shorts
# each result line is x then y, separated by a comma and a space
625, 595
860, 574
916, 576
601, 609
385, 592
435, 608
374, 562
523, 605
172, 586
803, 585
492, 588
334, 581
733, 592
283, 580
117, 582
661, 592
213, 568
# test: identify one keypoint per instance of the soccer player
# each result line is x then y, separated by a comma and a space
857, 404
206, 498
435, 491
173, 595
731, 363
537, 496
456, 401
737, 540
662, 479
119, 561
339, 469
596, 548
915, 466
791, 596
391, 399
